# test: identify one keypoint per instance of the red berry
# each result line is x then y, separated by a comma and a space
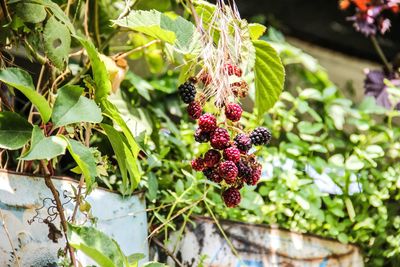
231, 197
232, 154
243, 142
212, 158
233, 111
206, 79
228, 171
220, 138
233, 70
198, 164
194, 110
255, 175
207, 122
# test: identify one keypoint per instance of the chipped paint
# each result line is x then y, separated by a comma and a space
258, 246
21, 195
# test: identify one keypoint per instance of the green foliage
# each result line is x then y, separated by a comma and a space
43, 147
95, 244
83, 156
100, 74
71, 107
57, 42
22, 81
32, 13
173, 30
15, 131
269, 76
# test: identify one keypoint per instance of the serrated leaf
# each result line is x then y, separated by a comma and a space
85, 160
96, 245
100, 74
176, 31
269, 76
22, 81
57, 42
44, 147
15, 131
32, 13
71, 107
256, 30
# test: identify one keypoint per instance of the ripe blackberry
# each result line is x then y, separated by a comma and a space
220, 138
255, 175
244, 170
232, 154
187, 91
233, 111
207, 122
231, 197
228, 171
194, 109
243, 142
198, 164
212, 158
201, 136
260, 136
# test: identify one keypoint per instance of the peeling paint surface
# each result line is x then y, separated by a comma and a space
258, 246
124, 219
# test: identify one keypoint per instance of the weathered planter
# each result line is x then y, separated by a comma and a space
23, 196
259, 246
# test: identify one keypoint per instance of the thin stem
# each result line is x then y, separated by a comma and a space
86, 19
39, 58
3, 223
222, 230
5, 10
169, 253
82, 179
123, 55
68, 7
378, 49
60, 209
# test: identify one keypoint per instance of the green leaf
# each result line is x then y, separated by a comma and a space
134, 259
22, 81
44, 147
177, 31
96, 245
71, 107
269, 76
256, 30
57, 42
31, 13
15, 131
85, 160
125, 158
100, 74
354, 163
57, 12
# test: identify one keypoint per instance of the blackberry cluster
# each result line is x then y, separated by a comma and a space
228, 161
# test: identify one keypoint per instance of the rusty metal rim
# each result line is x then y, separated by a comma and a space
68, 179
227, 221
